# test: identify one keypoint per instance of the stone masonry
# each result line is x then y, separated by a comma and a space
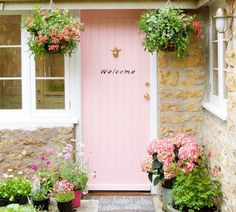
19, 148
182, 84
219, 135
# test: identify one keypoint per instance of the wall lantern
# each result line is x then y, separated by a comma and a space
221, 20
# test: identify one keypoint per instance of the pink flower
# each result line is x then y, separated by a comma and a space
216, 170
49, 151
67, 156
34, 166
152, 148
146, 165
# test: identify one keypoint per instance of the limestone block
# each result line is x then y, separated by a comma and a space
194, 77
166, 93
190, 61
195, 107
231, 81
183, 94
169, 78
162, 61
170, 107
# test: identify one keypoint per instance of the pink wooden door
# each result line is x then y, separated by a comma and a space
115, 114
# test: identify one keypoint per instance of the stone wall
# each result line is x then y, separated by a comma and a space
19, 148
181, 85
219, 136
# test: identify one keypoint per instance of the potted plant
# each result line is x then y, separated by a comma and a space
74, 172
3, 193
168, 157
42, 181
52, 31
41, 189
18, 190
196, 190
64, 195
167, 29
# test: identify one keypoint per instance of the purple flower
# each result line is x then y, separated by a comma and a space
48, 162
34, 166
42, 157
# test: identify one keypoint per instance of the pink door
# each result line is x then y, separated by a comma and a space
115, 114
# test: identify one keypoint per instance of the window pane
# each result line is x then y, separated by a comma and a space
10, 62
215, 82
50, 94
215, 55
10, 94
225, 87
224, 63
10, 30
51, 65
214, 32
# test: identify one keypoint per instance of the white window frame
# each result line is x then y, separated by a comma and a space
29, 117
216, 104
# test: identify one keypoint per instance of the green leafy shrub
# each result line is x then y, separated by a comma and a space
18, 208
167, 29
17, 187
196, 190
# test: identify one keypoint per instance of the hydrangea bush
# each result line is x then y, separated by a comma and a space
170, 155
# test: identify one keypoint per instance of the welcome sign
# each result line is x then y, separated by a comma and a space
118, 71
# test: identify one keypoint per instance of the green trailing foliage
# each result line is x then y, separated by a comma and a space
166, 29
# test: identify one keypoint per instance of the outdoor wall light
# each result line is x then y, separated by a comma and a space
221, 20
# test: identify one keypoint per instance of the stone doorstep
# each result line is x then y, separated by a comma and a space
86, 206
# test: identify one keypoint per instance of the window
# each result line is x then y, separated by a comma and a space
10, 62
34, 90
217, 85
50, 85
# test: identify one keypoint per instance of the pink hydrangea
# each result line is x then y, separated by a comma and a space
152, 148
146, 165
165, 151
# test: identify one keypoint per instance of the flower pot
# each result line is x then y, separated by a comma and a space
77, 199
3, 202
21, 200
65, 206
166, 197
170, 208
167, 193
42, 204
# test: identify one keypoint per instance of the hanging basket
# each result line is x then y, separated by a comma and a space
167, 29
52, 31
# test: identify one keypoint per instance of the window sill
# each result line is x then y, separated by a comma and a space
31, 124
216, 110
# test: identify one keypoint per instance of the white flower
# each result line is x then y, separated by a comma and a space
5, 175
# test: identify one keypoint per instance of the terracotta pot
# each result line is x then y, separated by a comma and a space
77, 199
65, 206
42, 204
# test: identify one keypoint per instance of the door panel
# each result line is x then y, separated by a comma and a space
115, 114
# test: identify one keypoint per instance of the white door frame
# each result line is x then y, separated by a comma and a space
153, 99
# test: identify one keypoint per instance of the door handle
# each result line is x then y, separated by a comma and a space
146, 96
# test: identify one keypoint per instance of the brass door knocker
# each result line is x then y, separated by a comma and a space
116, 52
